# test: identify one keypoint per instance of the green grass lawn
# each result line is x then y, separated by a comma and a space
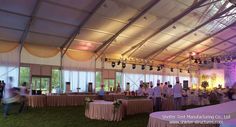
64, 117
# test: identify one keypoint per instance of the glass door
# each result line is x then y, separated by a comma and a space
109, 84
41, 85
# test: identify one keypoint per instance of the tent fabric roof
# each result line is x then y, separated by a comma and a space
56, 20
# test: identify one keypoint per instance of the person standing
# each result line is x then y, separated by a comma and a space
177, 95
140, 90
157, 96
164, 89
23, 93
150, 92
8, 96
101, 92
1, 89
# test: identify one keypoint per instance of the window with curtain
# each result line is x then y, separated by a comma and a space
182, 78
56, 79
78, 79
133, 79
9, 71
153, 78
25, 75
119, 79
171, 79
98, 80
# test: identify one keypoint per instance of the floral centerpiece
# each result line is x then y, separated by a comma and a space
87, 100
117, 104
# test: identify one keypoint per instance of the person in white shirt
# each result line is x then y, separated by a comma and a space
8, 96
177, 95
157, 96
140, 90
170, 91
150, 92
170, 104
23, 93
164, 89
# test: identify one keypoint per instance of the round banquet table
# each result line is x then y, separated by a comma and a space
182, 119
103, 110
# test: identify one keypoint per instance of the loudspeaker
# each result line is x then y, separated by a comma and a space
185, 84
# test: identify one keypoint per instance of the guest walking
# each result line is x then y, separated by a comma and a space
23, 93
1, 89
157, 96
8, 97
177, 95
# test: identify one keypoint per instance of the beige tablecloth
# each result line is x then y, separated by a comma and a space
67, 100
103, 110
136, 106
36, 101
113, 97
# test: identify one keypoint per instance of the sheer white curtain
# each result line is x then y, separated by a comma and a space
9, 66
78, 73
133, 79
153, 78
78, 79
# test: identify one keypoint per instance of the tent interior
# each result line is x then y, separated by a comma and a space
81, 39
49, 43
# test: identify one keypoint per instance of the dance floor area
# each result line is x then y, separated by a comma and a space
65, 117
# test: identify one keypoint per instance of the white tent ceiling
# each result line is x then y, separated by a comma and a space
55, 21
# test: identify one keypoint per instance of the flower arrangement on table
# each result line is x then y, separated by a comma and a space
87, 100
117, 104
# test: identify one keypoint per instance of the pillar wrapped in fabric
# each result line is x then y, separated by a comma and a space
90, 87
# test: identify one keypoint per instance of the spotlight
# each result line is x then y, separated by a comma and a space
171, 69
158, 68
180, 70
212, 59
118, 63
123, 65
143, 67
113, 64
191, 57
218, 60
200, 62
133, 66
151, 68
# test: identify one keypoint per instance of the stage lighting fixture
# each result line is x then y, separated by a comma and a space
172, 69
158, 68
113, 64
123, 65
218, 60
212, 59
133, 66
191, 57
188, 71
106, 59
143, 67
151, 68
200, 62
118, 63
